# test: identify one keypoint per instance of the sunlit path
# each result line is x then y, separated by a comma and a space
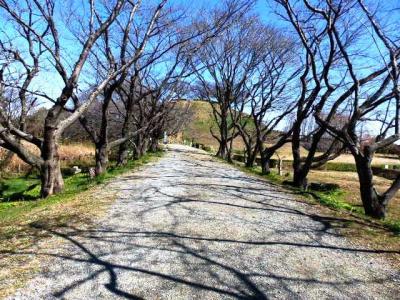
188, 227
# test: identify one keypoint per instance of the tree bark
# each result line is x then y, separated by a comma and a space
251, 158
124, 147
300, 178
141, 146
154, 145
250, 161
101, 156
265, 170
223, 150
51, 178
251, 153
374, 204
50, 171
123, 154
299, 173
265, 159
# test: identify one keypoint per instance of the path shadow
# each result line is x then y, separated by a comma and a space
18, 196
207, 263
229, 280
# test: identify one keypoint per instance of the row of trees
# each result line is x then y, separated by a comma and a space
109, 65
116, 67
328, 71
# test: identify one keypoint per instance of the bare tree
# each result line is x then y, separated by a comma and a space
229, 69
269, 101
111, 62
15, 101
315, 27
371, 97
44, 21
149, 97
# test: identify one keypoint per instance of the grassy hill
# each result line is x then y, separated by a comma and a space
201, 120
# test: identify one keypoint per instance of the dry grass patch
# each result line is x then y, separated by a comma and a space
69, 153
285, 152
379, 159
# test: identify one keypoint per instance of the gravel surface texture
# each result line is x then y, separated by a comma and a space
190, 227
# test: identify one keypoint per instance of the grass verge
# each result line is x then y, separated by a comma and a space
80, 203
22, 195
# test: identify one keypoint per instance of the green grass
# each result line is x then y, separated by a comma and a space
340, 167
333, 199
202, 119
393, 225
22, 195
12, 189
272, 176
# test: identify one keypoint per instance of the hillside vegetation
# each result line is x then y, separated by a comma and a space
197, 128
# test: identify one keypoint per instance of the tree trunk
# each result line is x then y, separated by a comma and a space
141, 146
101, 156
265, 160
223, 149
373, 203
250, 158
50, 172
154, 145
300, 178
137, 153
123, 154
123, 151
265, 170
51, 178
250, 161
251, 154
299, 173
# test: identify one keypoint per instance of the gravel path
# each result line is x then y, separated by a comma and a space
188, 227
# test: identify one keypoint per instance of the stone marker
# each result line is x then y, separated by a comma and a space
76, 170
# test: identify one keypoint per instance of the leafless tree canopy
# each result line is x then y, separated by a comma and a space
72, 56
351, 73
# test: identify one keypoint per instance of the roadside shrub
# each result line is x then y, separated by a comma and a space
393, 225
323, 187
207, 148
